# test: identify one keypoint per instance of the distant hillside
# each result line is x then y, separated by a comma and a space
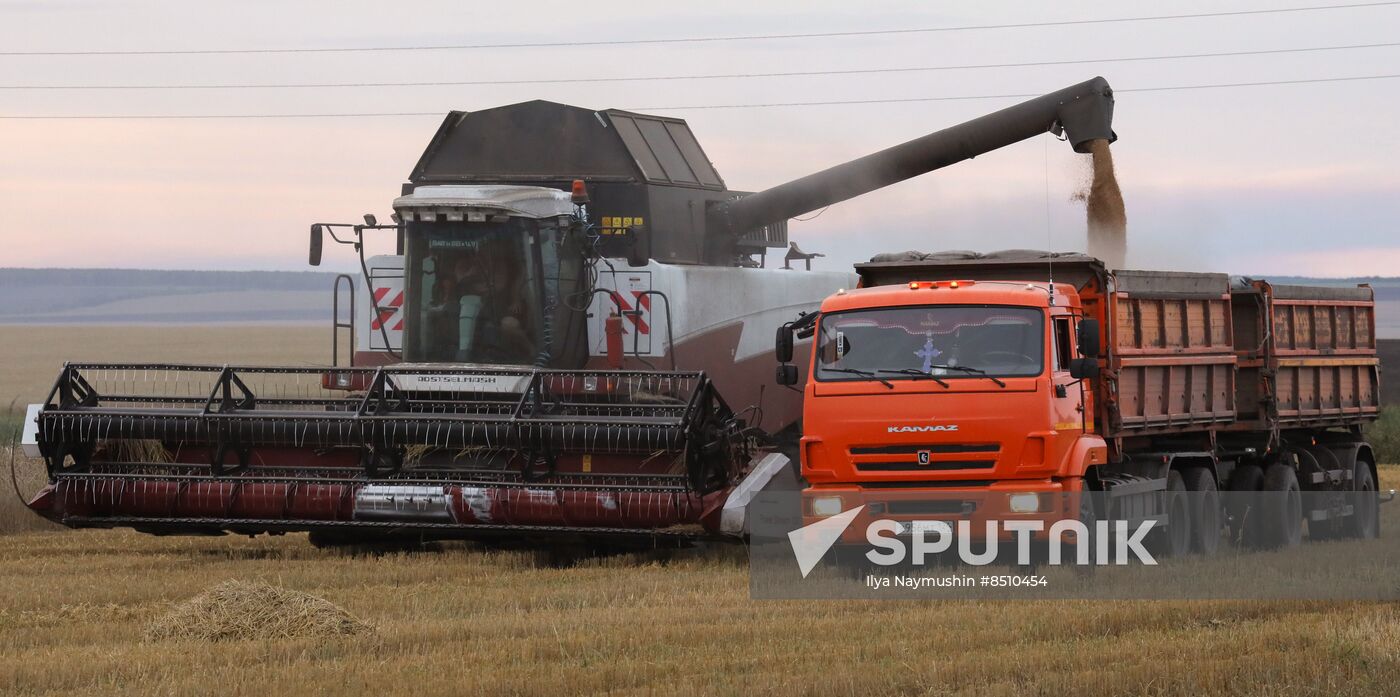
132, 296
84, 296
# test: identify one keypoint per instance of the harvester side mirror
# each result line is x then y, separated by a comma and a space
787, 374
1084, 368
315, 255
782, 346
1089, 338
639, 252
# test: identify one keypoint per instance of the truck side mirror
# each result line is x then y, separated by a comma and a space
639, 252
782, 346
787, 374
1089, 338
315, 256
1084, 368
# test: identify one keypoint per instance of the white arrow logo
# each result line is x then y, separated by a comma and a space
810, 543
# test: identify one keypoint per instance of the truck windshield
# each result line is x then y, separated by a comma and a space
479, 292
945, 342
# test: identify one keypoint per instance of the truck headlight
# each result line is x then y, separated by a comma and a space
826, 506
1025, 503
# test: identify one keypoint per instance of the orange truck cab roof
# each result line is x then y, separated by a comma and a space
953, 292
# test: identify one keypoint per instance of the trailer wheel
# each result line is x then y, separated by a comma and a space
1205, 510
1242, 504
1281, 508
1175, 540
1365, 521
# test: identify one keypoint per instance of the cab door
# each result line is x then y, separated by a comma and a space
1068, 395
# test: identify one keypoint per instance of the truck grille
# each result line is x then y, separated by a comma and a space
936, 448
925, 457
932, 466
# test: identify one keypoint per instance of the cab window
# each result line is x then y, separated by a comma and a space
1063, 344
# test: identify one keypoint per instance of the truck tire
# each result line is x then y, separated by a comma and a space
1204, 498
1175, 539
1281, 508
1242, 504
1365, 521
1088, 515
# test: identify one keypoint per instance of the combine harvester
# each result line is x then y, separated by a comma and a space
572, 343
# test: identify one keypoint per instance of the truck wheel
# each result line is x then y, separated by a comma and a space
1281, 508
1175, 540
1205, 510
1242, 504
1365, 521
1089, 517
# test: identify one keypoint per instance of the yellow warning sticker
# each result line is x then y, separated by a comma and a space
617, 224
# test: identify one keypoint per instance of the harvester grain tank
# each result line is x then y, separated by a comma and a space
575, 339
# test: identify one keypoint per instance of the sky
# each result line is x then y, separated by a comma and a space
1285, 179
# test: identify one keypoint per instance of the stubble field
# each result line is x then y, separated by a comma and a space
75, 606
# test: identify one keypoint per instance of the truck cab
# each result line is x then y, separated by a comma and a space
936, 388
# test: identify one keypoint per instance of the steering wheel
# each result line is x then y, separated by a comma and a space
1009, 356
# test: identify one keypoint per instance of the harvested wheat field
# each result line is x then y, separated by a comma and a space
119, 613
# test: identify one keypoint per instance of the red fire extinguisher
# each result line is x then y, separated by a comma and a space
612, 330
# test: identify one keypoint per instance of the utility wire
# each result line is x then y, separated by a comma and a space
692, 107
693, 39
1026, 95
719, 76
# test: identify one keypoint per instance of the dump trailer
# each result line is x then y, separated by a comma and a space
1002, 381
573, 340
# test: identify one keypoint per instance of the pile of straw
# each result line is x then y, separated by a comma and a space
235, 610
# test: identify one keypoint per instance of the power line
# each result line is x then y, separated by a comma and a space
903, 100
693, 39
692, 107
717, 76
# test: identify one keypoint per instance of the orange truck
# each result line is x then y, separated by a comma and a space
961, 386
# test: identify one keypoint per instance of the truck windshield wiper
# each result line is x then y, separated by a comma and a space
973, 371
914, 373
862, 373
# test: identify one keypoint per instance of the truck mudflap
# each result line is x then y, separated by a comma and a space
462, 452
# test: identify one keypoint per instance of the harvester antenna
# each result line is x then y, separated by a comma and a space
1049, 229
